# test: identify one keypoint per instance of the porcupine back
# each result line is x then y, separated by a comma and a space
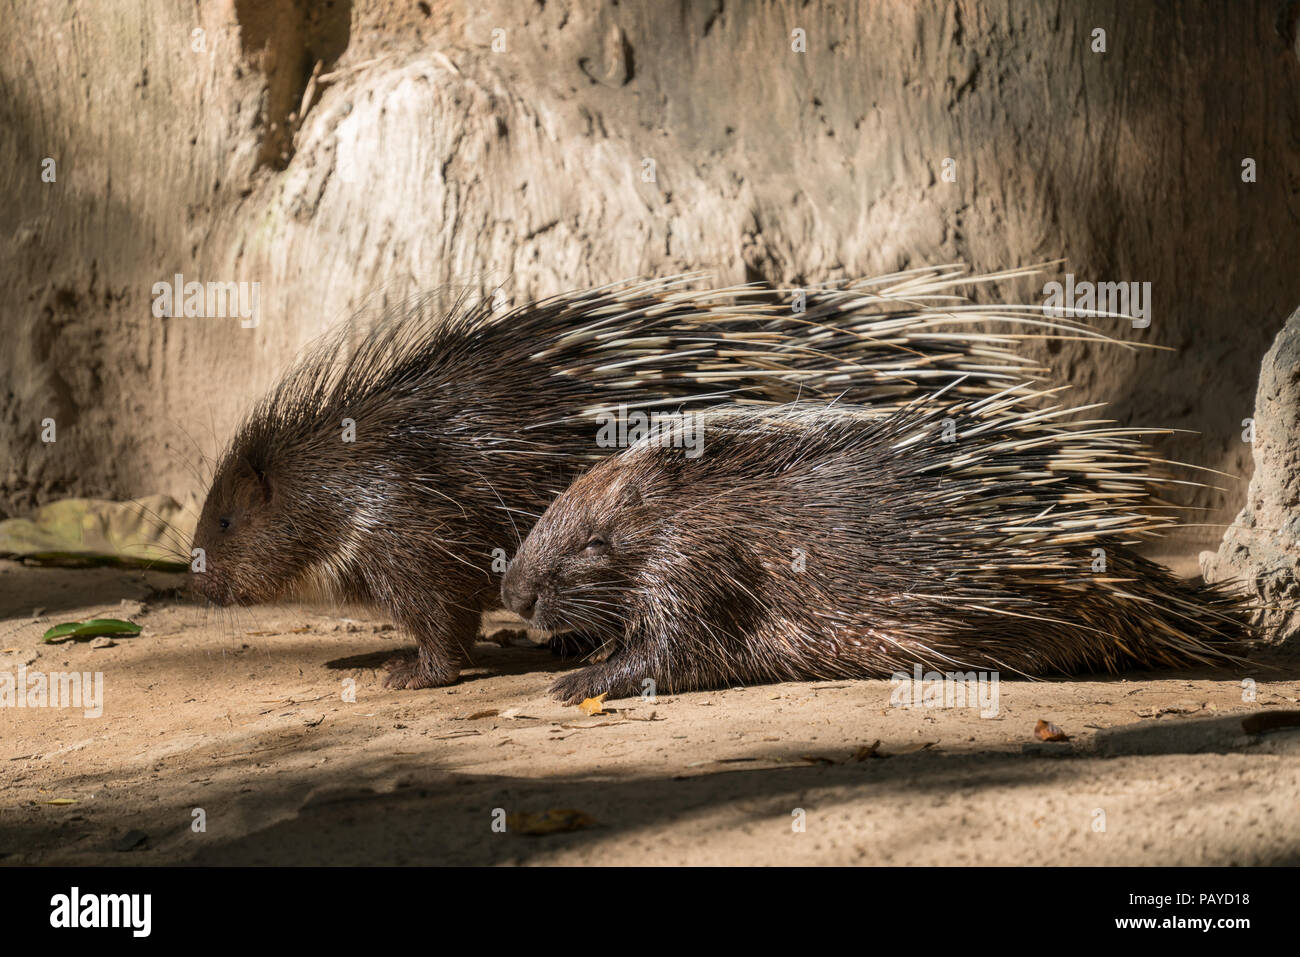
466, 425
825, 542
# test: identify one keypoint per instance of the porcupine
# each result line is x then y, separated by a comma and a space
468, 424
832, 542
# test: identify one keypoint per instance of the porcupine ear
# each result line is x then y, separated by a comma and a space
630, 495
258, 480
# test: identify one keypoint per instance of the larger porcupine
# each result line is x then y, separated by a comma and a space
465, 426
836, 542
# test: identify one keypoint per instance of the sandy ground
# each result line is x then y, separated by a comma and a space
239, 721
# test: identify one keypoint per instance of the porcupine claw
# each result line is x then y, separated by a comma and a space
593, 681
578, 687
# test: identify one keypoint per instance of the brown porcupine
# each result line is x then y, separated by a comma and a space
832, 542
466, 425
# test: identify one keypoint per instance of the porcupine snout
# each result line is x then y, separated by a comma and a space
519, 592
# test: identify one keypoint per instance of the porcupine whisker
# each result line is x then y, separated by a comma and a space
594, 606
172, 540
501, 501
170, 549
143, 510
577, 617
590, 617
190, 467
212, 431
585, 591
204, 458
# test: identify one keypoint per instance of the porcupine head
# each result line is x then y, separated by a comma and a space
614, 539
263, 523
577, 565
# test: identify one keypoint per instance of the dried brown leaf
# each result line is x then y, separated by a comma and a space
1046, 731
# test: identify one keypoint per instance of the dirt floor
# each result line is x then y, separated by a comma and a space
226, 739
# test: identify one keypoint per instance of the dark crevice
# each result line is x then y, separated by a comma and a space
284, 40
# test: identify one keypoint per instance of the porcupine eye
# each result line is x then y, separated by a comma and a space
223, 524
596, 545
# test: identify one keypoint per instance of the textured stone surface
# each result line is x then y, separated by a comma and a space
1262, 548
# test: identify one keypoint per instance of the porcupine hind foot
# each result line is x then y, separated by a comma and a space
443, 645
413, 670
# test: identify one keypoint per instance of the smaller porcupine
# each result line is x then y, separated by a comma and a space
832, 542
392, 461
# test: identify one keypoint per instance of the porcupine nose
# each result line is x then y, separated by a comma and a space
519, 596
523, 603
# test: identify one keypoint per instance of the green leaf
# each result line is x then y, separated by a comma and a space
94, 628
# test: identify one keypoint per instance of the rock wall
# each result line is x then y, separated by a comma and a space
1261, 550
341, 153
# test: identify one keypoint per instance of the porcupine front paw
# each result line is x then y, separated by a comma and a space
415, 670
592, 682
